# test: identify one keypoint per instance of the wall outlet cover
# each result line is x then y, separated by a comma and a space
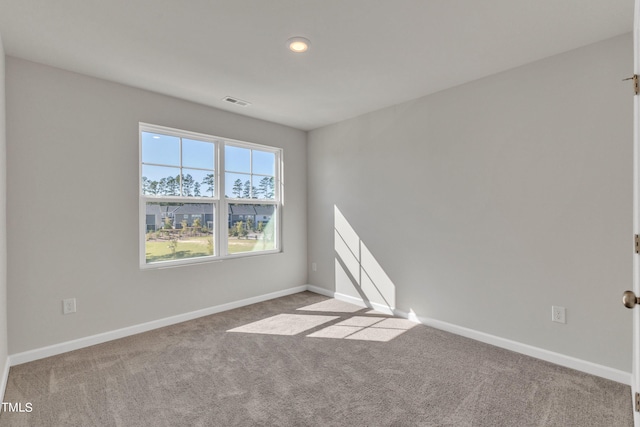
68, 306
558, 314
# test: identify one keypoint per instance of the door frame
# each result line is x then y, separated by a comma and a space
635, 368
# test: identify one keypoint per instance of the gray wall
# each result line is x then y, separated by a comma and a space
3, 215
72, 194
486, 204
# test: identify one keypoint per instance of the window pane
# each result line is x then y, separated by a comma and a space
264, 163
178, 231
264, 187
197, 154
197, 183
251, 228
160, 180
237, 159
237, 185
160, 149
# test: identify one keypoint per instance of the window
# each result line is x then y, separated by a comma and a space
184, 215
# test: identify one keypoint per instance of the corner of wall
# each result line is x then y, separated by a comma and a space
4, 358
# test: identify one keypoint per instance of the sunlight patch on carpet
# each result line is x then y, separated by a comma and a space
284, 324
365, 329
361, 321
335, 331
332, 306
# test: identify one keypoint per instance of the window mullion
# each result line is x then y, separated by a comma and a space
181, 192
278, 178
223, 206
251, 174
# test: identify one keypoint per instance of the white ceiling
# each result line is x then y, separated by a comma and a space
364, 55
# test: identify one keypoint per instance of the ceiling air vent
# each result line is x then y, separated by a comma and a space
236, 101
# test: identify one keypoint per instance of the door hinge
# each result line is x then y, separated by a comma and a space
637, 402
636, 85
636, 239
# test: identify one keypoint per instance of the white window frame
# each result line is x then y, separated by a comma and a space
219, 201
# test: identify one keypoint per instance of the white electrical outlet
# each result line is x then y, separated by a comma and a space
314, 266
68, 306
558, 314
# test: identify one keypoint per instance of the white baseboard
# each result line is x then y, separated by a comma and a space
539, 353
52, 350
5, 377
362, 303
321, 291
529, 350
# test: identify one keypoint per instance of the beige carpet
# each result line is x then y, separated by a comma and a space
305, 360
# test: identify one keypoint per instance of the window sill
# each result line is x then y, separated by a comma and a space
161, 265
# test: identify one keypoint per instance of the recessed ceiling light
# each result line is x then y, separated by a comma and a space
298, 44
156, 137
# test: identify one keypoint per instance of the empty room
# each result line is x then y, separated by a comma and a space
319, 213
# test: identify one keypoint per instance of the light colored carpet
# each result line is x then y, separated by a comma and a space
305, 360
